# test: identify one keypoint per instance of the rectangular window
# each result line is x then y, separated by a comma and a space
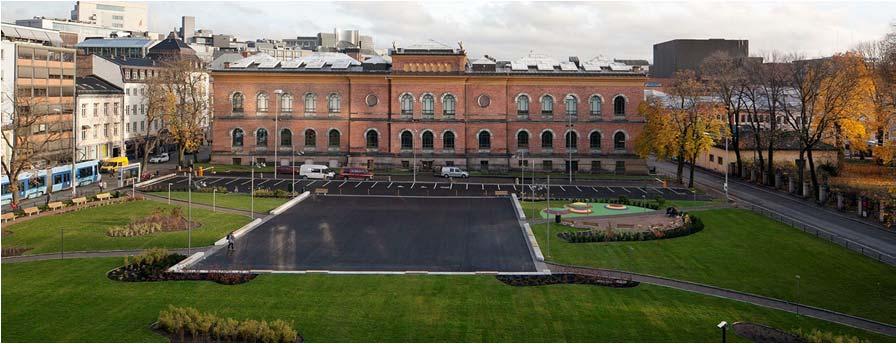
105, 109
96, 109
127, 127
547, 165
595, 166
115, 108
237, 161
83, 134
142, 125
620, 166
720, 160
83, 110
106, 130
483, 165
712, 158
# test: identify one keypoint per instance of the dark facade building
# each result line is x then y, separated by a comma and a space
679, 54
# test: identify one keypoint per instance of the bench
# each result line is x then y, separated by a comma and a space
321, 191
55, 205
79, 200
7, 217
31, 211
501, 193
103, 196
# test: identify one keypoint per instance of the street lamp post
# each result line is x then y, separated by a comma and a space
569, 143
252, 191
727, 163
169, 193
723, 326
190, 212
797, 294
279, 98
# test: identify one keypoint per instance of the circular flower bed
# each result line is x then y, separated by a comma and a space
563, 278
616, 206
579, 208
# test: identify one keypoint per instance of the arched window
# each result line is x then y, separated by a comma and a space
407, 105
333, 138
427, 140
449, 103
572, 140
373, 139
595, 105
407, 140
572, 105
522, 140
310, 138
237, 138
485, 140
619, 141
333, 103
619, 106
448, 140
594, 140
547, 139
310, 103
237, 102
547, 105
261, 137
522, 105
285, 138
428, 105
286, 103
261, 102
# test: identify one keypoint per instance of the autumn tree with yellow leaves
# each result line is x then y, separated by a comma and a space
184, 84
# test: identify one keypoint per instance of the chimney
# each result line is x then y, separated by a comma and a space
226, 65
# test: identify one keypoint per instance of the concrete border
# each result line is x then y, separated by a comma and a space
290, 203
155, 180
190, 260
531, 241
519, 207
392, 272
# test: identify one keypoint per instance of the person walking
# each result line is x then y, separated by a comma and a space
230, 241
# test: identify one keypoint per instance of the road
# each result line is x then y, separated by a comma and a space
867, 234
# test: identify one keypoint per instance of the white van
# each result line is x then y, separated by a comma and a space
316, 172
451, 171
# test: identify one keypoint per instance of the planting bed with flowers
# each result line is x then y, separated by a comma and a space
563, 278
152, 266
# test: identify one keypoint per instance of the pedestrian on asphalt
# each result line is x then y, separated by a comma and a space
230, 241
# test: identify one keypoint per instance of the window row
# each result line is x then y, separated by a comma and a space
261, 102
406, 137
449, 104
261, 137
571, 103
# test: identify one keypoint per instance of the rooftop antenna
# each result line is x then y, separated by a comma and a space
393, 46
461, 45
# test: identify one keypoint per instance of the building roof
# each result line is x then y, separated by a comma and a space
540, 64
128, 42
133, 61
24, 33
172, 46
93, 85
225, 58
316, 62
428, 47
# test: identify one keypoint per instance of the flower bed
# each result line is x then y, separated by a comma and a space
759, 333
14, 251
187, 324
156, 222
152, 266
616, 206
563, 278
690, 225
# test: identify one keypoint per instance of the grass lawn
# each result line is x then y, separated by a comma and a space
533, 208
73, 301
597, 209
228, 200
745, 251
85, 230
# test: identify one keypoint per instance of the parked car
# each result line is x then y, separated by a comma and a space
451, 171
355, 173
288, 170
159, 158
316, 172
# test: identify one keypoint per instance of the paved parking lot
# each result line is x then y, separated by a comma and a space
445, 187
384, 233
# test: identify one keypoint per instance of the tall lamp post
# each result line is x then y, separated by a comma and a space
723, 326
569, 142
279, 98
727, 163
252, 191
190, 212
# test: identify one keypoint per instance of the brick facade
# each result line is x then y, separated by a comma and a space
497, 116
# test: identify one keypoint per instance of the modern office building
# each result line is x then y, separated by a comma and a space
81, 30
124, 15
39, 79
427, 105
679, 54
116, 47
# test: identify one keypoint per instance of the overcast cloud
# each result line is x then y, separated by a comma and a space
509, 29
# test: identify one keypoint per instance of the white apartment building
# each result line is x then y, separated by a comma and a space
99, 120
130, 16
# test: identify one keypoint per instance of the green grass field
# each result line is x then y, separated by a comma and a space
73, 301
228, 200
85, 230
745, 251
533, 208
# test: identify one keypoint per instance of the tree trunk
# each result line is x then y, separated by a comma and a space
180, 155
147, 146
813, 174
693, 163
838, 142
770, 170
736, 143
679, 173
800, 168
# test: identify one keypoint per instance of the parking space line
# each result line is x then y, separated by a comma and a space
357, 185
676, 192
609, 188
340, 184
578, 188
561, 188
278, 183
311, 183
374, 184
246, 182
330, 181
482, 185
390, 185
228, 183
657, 191
265, 181
434, 185
626, 190
468, 186
642, 190
499, 186
594, 188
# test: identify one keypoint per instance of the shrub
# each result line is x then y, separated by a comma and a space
660, 201
178, 321
818, 336
271, 193
691, 224
158, 221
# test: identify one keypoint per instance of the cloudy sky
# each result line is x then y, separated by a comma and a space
626, 29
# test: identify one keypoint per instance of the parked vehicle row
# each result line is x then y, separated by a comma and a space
311, 171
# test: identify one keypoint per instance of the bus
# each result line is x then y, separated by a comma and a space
33, 184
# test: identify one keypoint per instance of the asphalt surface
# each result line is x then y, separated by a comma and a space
843, 225
439, 187
383, 234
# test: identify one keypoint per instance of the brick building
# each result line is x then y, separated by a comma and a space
427, 103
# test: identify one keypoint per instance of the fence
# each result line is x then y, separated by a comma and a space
823, 234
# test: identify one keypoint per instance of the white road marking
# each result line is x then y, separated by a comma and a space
657, 191
434, 185
278, 183
228, 183
499, 186
642, 190
265, 181
676, 192
626, 190
340, 184
357, 185
312, 182
412, 185
609, 188
247, 182
483, 186
561, 188
374, 184
593, 188
330, 181
468, 186
389, 186
578, 188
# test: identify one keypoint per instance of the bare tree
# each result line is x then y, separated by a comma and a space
186, 82
725, 79
25, 142
769, 81
160, 102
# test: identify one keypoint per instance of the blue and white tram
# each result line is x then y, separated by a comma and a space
34, 185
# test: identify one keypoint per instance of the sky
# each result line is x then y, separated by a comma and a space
619, 29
